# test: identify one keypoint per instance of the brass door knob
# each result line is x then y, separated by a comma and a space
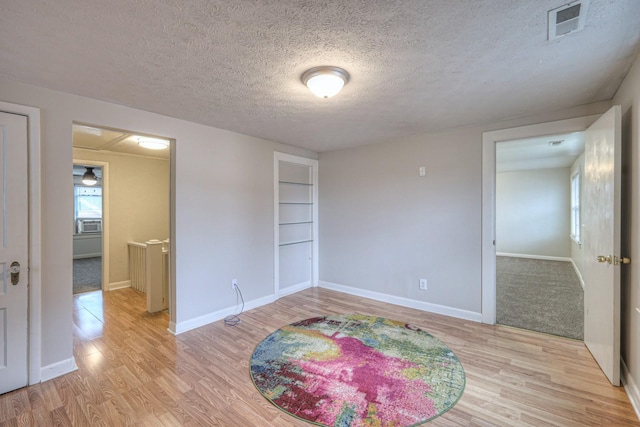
621, 260
606, 259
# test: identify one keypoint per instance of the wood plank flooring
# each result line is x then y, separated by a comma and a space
133, 372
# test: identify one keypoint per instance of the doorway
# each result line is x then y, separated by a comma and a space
135, 194
538, 285
489, 141
87, 226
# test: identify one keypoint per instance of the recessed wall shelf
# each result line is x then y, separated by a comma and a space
296, 223
296, 183
295, 243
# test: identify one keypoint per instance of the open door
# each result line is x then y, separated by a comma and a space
601, 228
14, 269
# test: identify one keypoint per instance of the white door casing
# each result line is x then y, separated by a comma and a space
105, 217
489, 140
601, 231
13, 248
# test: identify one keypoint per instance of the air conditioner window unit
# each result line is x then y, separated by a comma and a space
89, 226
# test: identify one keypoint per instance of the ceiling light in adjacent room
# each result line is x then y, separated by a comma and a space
153, 143
89, 178
325, 81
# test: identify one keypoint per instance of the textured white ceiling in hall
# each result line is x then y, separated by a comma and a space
416, 66
539, 152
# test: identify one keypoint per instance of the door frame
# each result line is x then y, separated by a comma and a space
105, 216
34, 324
488, 250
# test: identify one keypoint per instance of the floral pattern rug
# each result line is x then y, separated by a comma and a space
355, 370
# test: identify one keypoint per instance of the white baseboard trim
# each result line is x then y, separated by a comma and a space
57, 369
404, 302
118, 285
293, 289
575, 268
187, 325
630, 387
544, 257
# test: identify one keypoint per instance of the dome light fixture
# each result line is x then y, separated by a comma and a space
152, 143
89, 178
325, 81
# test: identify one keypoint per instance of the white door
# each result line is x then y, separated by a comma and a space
13, 252
601, 210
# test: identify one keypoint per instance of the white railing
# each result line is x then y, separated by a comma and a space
138, 266
149, 272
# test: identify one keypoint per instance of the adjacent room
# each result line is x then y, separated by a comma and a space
539, 284
339, 233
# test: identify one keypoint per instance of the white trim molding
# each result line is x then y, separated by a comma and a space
58, 369
35, 237
118, 285
187, 325
630, 387
577, 270
294, 288
542, 257
404, 302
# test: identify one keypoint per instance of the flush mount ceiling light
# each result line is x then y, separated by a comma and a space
152, 143
325, 81
89, 178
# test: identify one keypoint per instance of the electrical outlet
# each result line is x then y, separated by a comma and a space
234, 283
423, 284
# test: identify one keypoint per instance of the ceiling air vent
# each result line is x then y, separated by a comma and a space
567, 19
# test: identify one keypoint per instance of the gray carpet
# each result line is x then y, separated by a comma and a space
87, 274
539, 295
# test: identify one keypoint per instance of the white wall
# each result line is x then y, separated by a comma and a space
223, 208
533, 212
628, 96
138, 204
87, 245
382, 227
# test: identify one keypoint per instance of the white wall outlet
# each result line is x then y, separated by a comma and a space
423, 284
234, 283
422, 171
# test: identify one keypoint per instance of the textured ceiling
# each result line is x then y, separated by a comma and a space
416, 66
539, 152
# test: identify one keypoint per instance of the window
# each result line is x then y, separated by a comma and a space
88, 202
575, 207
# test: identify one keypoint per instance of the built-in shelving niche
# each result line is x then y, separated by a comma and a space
295, 223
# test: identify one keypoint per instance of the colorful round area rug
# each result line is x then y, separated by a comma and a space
355, 370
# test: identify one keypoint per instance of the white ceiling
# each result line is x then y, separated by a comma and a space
539, 153
416, 66
96, 139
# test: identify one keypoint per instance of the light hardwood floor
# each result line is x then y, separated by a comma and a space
133, 372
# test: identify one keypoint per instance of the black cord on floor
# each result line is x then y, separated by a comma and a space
234, 319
